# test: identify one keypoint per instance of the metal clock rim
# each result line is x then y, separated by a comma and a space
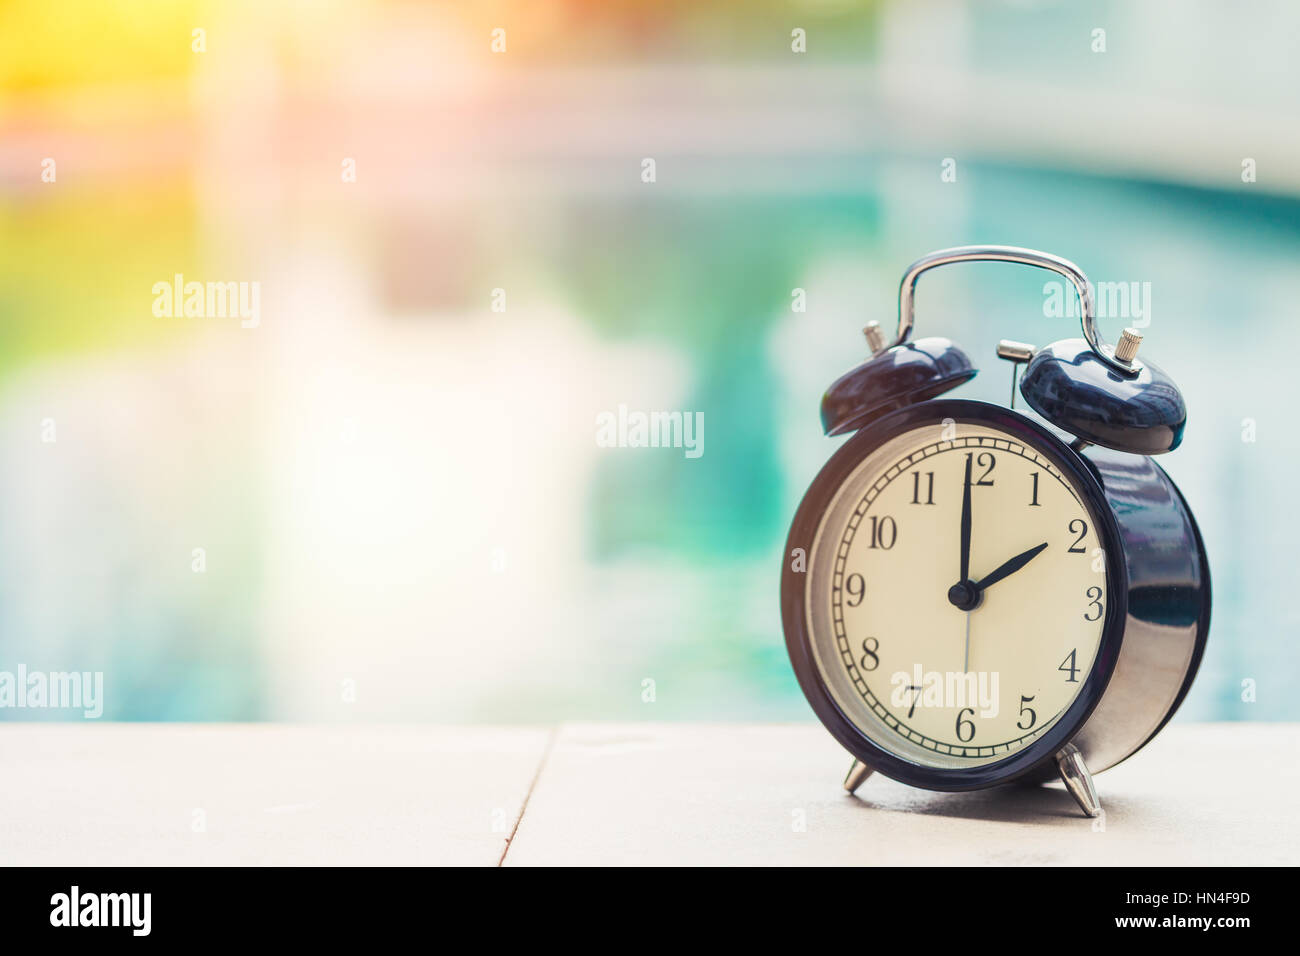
794, 599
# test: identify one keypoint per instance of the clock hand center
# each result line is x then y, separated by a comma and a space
965, 595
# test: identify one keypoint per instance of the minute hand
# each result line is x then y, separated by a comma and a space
965, 525
1010, 567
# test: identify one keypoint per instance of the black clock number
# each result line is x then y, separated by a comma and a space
1026, 712
963, 734
984, 460
911, 711
1072, 669
855, 591
1094, 595
1033, 500
870, 658
884, 532
1081, 530
916, 488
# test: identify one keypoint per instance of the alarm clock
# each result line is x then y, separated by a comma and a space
973, 594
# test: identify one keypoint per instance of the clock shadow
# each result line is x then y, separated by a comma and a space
1012, 803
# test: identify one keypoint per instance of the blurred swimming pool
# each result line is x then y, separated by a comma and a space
387, 502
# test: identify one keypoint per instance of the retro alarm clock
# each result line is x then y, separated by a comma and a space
972, 595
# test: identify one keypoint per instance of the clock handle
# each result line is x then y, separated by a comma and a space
1028, 257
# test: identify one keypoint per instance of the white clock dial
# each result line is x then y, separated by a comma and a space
941, 670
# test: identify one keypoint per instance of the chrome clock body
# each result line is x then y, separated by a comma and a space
1168, 614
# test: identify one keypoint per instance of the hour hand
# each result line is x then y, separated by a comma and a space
1010, 567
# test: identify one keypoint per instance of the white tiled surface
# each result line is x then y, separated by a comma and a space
127, 794
1210, 793
97, 794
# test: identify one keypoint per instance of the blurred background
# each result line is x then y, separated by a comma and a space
386, 500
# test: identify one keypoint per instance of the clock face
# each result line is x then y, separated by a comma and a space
957, 593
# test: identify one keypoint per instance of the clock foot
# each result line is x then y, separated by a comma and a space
858, 774
1078, 780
